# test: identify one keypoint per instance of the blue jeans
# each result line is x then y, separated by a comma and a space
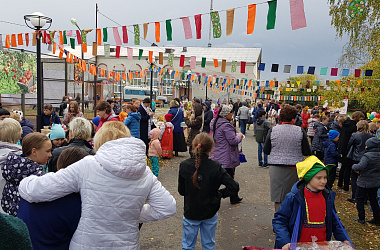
190, 233
260, 154
155, 166
243, 125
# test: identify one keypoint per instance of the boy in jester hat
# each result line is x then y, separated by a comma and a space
316, 203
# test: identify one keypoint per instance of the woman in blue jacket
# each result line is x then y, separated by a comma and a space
133, 120
179, 144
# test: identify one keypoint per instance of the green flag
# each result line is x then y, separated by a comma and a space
169, 30
140, 53
323, 71
136, 29
64, 37
105, 36
271, 18
72, 42
203, 62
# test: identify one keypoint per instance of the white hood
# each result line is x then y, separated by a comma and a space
123, 157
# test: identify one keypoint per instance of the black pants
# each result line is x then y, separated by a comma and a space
320, 155
345, 173
231, 172
361, 195
331, 177
354, 178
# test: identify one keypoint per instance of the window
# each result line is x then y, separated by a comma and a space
136, 81
168, 80
155, 80
118, 86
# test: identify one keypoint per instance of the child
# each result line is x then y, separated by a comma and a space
133, 120
36, 149
372, 128
261, 130
50, 117
166, 137
331, 155
58, 218
321, 133
57, 136
123, 114
216, 112
368, 181
155, 150
198, 181
310, 129
317, 206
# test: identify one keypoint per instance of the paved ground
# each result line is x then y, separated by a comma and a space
248, 223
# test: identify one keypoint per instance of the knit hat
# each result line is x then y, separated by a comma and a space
57, 132
225, 111
308, 168
333, 134
168, 117
96, 120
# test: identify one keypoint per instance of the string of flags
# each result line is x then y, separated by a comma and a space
311, 70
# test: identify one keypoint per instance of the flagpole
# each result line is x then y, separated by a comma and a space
96, 60
209, 34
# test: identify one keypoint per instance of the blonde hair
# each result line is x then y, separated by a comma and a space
33, 140
10, 130
15, 116
173, 103
362, 126
110, 131
80, 128
372, 126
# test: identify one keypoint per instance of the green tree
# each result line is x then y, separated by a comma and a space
303, 80
363, 31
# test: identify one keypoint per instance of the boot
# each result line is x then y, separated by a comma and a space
235, 199
374, 221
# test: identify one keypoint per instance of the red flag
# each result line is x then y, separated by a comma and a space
182, 61
125, 34
198, 25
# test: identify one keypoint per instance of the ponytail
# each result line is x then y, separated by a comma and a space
197, 153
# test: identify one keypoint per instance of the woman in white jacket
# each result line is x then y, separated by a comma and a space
114, 185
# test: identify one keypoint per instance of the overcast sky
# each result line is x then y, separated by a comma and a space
315, 45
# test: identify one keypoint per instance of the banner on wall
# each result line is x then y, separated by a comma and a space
341, 106
17, 72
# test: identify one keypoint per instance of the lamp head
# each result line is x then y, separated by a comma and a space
37, 20
74, 21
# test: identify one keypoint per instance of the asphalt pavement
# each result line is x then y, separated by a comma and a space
246, 224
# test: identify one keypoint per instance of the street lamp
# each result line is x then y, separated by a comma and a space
74, 22
151, 81
38, 21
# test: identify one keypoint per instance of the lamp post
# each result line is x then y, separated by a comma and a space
151, 64
74, 22
38, 21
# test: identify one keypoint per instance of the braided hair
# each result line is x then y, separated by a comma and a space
202, 145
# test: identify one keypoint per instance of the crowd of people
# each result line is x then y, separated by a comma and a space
65, 181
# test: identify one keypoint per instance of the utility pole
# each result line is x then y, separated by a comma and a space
96, 61
209, 34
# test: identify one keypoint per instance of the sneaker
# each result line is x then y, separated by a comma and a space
265, 166
260, 165
351, 200
374, 222
359, 220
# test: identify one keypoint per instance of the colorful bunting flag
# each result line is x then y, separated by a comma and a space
233, 66
125, 34
182, 61
311, 70
94, 49
145, 28
274, 68
299, 69
170, 59
107, 50
157, 31
334, 71
368, 72
297, 14
242, 67
224, 62
193, 62
271, 17
140, 53
105, 35
251, 18
230, 13
358, 72
72, 42
13, 40
287, 68
345, 72
169, 30
26, 40
187, 27
79, 37
323, 71
130, 53
216, 64
116, 36
136, 29
216, 27
161, 58
117, 51
198, 25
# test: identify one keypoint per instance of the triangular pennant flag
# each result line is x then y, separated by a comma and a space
251, 18
338, 82
198, 25
271, 17
230, 21
359, 82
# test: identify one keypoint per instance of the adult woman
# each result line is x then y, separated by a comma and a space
179, 144
194, 123
226, 139
286, 144
10, 133
72, 113
243, 114
107, 182
105, 114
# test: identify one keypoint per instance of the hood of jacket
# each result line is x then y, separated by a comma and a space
208, 105
17, 167
197, 109
348, 123
135, 115
260, 121
155, 134
26, 122
327, 142
318, 124
373, 145
124, 157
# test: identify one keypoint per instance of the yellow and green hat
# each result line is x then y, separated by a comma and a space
309, 167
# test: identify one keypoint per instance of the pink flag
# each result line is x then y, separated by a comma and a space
116, 36
69, 33
297, 14
198, 25
125, 34
79, 37
187, 27
193, 62
130, 53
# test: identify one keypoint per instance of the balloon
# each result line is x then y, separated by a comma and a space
377, 115
375, 119
368, 114
373, 113
371, 117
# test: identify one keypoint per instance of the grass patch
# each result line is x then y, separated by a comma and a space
364, 236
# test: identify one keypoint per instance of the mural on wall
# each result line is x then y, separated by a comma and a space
17, 72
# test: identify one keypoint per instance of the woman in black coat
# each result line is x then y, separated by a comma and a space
146, 121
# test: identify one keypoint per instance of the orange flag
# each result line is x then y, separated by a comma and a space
338, 82
27, 39
94, 49
84, 65
99, 35
84, 47
54, 47
157, 31
216, 64
34, 42
71, 58
130, 76
124, 76
141, 74
151, 56
13, 40
145, 26
60, 54
68, 57
60, 37
19, 38
251, 18
7, 42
